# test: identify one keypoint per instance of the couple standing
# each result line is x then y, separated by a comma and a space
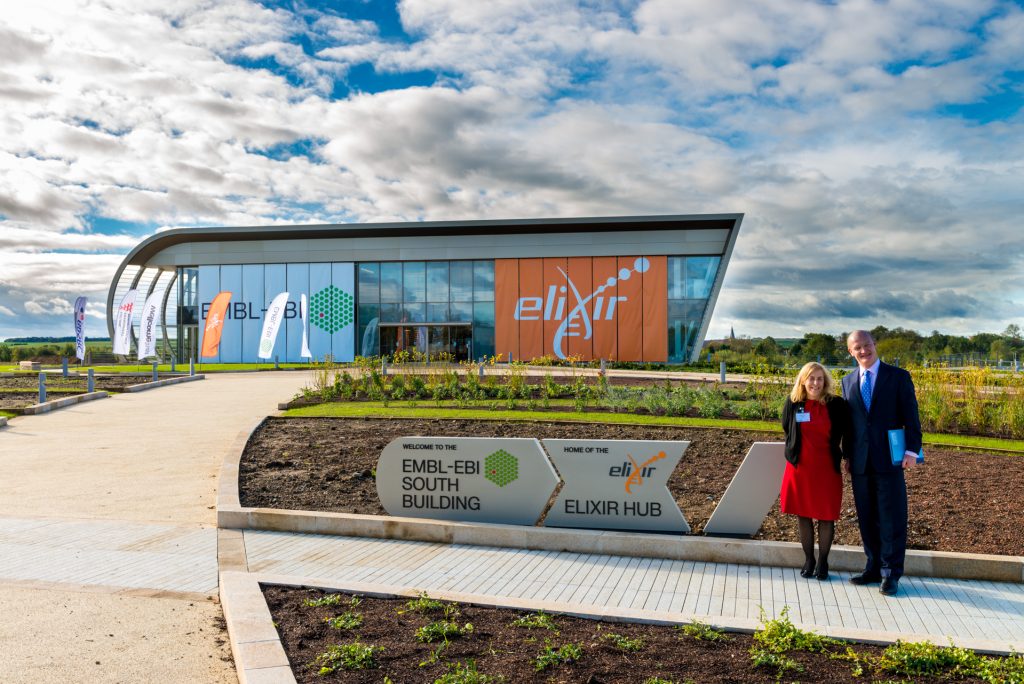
821, 430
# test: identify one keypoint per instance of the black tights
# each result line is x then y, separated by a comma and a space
826, 532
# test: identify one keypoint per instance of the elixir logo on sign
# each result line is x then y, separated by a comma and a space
473, 479
559, 298
606, 487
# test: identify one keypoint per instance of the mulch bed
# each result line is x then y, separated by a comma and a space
499, 648
58, 387
960, 501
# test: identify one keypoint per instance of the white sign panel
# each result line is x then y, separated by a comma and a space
616, 484
271, 324
752, 492
473, 479
147, 328
123, 323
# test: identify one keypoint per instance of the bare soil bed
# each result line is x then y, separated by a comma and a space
960, 501
609, 652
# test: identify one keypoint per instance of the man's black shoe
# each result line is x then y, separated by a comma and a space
889, 587
865, 578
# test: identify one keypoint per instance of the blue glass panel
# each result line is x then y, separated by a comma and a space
390, 313
369, 283
461, 312
437, 313
290, 349
414, 313
319, 337
461, 278
275, 281
437, 281
414, 281
684, 320
252, 324
700, 276
343, 342
369, 330
209, 286
391, 281
483, 281
231, 340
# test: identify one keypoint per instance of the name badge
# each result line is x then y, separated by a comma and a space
803, 417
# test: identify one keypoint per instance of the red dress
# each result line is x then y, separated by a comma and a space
813, 488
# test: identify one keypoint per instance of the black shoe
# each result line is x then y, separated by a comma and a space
821, 574
866, 578
808, 569
890, 585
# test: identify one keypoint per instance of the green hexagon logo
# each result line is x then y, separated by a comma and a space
331, 309
501, 468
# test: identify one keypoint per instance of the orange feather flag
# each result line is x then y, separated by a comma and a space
215, 324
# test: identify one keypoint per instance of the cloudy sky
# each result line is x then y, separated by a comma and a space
876, 148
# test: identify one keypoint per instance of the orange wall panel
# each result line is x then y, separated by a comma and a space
555, 300
506, 296
531, 323
580, 339
630, 311
655, 287
605, 329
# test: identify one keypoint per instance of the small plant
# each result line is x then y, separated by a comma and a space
326, 600
701, 631
779, 637
538, 620
353, 656
442, 630
551, 656
659, 680
467, 674
624, 643
425, 605
347, 620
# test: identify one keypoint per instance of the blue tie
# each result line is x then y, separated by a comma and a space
865, 390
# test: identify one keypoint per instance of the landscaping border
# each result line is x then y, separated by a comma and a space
48, 406
231, 515
260, 656
163, 383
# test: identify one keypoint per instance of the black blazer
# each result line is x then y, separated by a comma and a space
893, 405
838, 415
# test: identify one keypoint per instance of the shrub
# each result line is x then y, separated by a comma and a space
6, 353
710, 402
551, 656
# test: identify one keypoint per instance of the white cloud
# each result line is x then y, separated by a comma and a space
6, 311
826, 123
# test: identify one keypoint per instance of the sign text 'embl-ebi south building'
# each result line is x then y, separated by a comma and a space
617, 288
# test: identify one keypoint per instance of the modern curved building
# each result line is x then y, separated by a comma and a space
638, 288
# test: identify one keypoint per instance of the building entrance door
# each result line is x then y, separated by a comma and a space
433, 339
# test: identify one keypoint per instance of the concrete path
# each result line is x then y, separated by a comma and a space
979, 614
108, 546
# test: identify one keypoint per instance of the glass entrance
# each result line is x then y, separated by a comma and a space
439, 341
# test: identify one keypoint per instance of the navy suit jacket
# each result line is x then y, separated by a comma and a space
893, 405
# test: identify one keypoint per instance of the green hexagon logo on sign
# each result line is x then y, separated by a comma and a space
331, 309
501, 468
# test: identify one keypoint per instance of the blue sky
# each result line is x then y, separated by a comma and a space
876, 148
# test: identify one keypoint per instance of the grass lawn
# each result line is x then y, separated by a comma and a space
164, 368
449, 410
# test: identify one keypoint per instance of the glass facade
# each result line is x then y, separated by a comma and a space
432, 307
690, 282
188, 313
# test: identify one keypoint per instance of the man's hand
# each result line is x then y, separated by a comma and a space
909, 460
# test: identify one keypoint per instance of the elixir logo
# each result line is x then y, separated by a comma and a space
558, 299
635, 472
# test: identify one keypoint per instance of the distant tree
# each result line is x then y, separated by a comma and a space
820, 344
1013, 332
767, 347
6, 353
1000, 349
895, 348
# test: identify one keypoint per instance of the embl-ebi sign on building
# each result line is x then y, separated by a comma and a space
617, 288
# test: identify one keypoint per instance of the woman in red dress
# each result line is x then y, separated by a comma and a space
814, 420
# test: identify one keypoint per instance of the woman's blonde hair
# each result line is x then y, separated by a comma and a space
799, 392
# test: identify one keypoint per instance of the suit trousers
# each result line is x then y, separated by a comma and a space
881, 500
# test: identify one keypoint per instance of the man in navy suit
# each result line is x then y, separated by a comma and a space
881, 398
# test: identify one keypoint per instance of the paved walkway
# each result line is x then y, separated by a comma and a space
926, 608
108, 546
108, 553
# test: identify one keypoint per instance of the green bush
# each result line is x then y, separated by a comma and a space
6, 353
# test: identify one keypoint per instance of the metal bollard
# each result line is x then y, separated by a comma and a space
383, 366
604, 367
721, 371
481, 371
42, 388
173, 365
64, 366
154, 371
277, 365
191, 366
91, 382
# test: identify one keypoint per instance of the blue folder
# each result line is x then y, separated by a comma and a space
898, 447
